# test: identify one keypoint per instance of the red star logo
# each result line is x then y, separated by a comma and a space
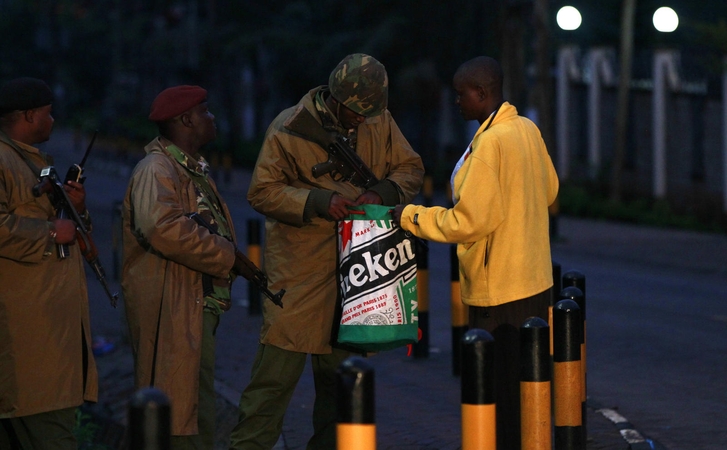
345, 230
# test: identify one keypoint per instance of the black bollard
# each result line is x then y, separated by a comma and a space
356, 424
478, 391
254, 254
567, 376
149, 420
576, 294
460, 316
535, 407
575, 278
421, 348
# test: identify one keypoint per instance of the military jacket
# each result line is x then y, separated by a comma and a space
301, 256
45, 331
165, 255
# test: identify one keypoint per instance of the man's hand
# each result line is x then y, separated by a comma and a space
369, 198
396, 214
76, 194
65, 231
338, 208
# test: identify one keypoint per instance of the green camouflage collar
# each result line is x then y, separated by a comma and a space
330, 121
198, 167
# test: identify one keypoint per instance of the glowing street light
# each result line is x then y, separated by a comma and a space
568, 18
665, 19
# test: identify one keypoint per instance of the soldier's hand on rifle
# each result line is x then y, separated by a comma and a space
369, 198
65, 230
76, 194
338, 208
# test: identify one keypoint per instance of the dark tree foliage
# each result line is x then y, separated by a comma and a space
107, 59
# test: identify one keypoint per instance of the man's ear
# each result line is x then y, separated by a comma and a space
29, 115
481, 92
186, 119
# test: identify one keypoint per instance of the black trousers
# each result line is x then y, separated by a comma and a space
504, 322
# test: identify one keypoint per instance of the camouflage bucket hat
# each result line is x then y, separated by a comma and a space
360, 83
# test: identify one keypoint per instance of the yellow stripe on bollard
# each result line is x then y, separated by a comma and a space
355, 436
567, 377
478, 427
535, 428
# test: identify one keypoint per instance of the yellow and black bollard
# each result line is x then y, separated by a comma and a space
535, 407
478, 391
356, 424
254, 254
567, 376
149, 420
574, 293
460, 312
421, 348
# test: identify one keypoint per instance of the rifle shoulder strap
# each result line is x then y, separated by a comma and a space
303, 124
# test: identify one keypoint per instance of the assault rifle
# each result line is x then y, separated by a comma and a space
343, 163
51, 185
243, 266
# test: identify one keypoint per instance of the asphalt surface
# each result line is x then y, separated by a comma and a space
417, 399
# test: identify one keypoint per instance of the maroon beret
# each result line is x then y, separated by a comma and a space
176, 100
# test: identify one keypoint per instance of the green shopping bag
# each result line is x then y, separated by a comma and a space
377, 281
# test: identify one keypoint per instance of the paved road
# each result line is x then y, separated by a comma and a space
656, 334
657, 327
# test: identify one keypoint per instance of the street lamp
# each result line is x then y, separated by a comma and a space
665, 19
568, 18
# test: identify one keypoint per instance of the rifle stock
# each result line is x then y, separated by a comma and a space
244, 267
343, 163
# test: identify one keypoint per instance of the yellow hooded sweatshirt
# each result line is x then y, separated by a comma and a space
500, 217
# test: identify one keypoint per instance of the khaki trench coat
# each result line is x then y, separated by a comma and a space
301, 257
165, 254
44, 318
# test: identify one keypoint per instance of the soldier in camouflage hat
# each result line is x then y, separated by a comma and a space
300, 245
359, 82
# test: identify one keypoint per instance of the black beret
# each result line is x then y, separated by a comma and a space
24, 93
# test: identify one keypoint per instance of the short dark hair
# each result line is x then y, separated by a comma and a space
482, 71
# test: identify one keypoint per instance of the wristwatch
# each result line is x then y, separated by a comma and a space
416, 219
